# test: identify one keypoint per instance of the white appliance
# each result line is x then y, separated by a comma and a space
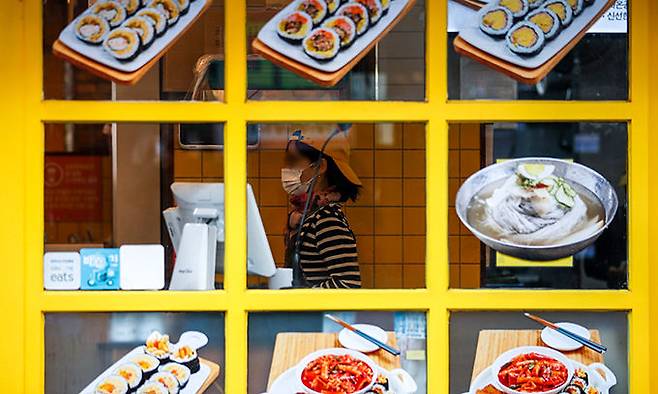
196, 229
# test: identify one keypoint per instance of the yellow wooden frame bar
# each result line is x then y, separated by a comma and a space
21, 204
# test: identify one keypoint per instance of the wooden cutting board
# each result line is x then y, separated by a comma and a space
214, 374
291, 347
322, 78
492, 343
522, 74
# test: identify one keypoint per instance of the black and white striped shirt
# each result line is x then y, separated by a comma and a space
328, 254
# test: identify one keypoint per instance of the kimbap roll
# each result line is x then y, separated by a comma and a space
580, 383
152, 388
332, 6
112, 385
131, 6
113, 12
295, 26
547, 20
183, 5
378, 389
122, 43
168, 380
317, 9
496, 21
571, 389
344, 27
147, 363
576, 6
91, 28
525, 38
519, 8
386, 4
561, 9
186, 355
143, 28
169, 8
358, 14
321, 44
581, 374
181, 372
157, 345
375, 9
132, 374
534, 4
158, 19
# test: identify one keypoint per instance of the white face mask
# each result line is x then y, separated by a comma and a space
291, 180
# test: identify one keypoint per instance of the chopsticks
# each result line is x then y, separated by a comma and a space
363, 335
584, 341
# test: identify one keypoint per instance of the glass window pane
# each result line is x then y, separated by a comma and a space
478, 339
278, 341
84, 348
595, 69
191, 69
393, 70
112, 185
387, 218
584, 262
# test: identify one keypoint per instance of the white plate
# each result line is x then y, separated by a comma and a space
353, 341
195, 339
269, 37
596, 379
497, 47
561, 342
96, 52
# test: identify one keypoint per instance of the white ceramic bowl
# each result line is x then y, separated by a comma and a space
335, 351
544, 351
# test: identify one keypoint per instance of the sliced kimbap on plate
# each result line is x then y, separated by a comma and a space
113, 12
158, 19
183, 6
112, 385
321, 44
519, 8
496, 21
152, 388
295, 26
187, 356
143, 27
332, 6
91, 28
158, 346
131, 6
571, 389
375, 9
534, 4
132, 374
147, 363
181, 372
576, 6
561, 9
525, 38
344, 27
169, 8
122, 43
168, 380
317, 9
547, 20
358, 14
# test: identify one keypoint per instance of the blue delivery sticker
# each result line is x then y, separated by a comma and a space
100, 269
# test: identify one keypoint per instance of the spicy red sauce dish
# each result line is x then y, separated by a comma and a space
337, 374
533, 373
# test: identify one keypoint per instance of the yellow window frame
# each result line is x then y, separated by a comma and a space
21, 200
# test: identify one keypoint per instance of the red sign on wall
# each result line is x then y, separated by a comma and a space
73, 188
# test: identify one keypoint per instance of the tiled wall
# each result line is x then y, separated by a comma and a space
464, 159
389, 217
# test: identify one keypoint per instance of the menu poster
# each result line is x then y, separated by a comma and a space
73, 188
